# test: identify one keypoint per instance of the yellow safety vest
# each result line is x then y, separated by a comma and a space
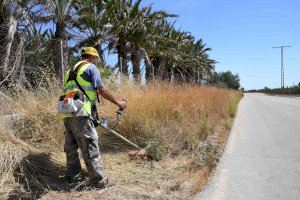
86, 86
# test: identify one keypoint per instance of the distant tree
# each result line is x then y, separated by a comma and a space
232, 81
213, 79
224, 79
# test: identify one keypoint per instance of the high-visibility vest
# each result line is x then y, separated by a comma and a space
86, 86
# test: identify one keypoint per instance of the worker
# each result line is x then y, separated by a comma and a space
80, 131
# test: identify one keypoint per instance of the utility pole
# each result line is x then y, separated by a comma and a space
282, 65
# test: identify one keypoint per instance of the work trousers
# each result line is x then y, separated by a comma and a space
80, 133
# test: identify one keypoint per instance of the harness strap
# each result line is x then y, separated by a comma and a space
73, 77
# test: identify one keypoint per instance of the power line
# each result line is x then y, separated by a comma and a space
282, 65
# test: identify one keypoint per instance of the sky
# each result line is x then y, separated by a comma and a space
242, 34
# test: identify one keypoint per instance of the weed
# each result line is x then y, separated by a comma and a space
228, 123
206, 155
233, 103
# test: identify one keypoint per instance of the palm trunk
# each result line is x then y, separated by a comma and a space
149, 68
198, 78
136, 61
100, 51
148, 74
60, 64
161, 67
15, 60
8, 32
10, 29
122, 58
172, 79
123, 64
183, 77
194, 77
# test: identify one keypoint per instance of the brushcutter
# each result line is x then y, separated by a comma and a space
104, 123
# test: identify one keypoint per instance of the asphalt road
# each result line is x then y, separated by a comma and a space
262, 157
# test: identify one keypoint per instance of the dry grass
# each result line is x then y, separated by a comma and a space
26, 171
138, 180
175, 121
170, 119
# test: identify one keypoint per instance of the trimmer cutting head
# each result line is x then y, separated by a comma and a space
138, 154
133, 154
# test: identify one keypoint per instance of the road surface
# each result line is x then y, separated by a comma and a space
262, 157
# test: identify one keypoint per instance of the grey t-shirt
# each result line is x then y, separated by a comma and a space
92, 74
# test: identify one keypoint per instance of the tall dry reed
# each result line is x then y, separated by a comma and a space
172, 118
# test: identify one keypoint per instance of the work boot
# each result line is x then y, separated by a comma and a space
104, 183
75, 179
76, 182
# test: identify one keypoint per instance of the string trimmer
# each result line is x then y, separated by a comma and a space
104, 123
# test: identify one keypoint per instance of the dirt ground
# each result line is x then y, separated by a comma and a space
138, 179
169, 178
173, 177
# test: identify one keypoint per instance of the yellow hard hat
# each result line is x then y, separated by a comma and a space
90, 51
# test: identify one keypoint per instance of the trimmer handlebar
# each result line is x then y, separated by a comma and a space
119, 112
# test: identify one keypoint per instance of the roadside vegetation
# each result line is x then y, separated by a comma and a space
179, 107
292, 90
224, 80
185, 127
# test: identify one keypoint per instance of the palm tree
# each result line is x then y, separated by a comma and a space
168, 54
145, 35
61, 13
176, 56
94, 23
132, 26
8, 31
159, 49
123, 27
119, 31
12, 14
37, 59
205, 65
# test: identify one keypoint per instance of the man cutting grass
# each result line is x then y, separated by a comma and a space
80, 131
